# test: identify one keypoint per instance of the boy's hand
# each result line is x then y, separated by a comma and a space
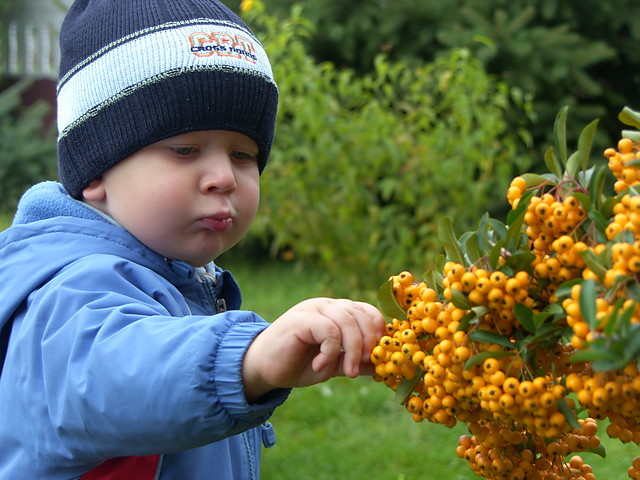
313, 341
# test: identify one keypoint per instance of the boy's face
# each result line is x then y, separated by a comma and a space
189, 197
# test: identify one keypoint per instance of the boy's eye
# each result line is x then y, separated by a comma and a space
245, 156
185, 151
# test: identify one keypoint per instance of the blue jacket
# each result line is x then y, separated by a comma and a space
115, 351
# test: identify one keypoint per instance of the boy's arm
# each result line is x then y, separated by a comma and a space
122, 371
310, 343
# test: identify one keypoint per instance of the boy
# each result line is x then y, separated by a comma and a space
125, 355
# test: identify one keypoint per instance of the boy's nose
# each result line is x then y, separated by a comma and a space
219, 175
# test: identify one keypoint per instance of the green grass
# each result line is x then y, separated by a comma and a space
353, 429
269, 288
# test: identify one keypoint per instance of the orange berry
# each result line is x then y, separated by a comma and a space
526, 389
498, 279
625, 145
519, 183
491, 365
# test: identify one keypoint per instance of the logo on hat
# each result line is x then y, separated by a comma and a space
222, 44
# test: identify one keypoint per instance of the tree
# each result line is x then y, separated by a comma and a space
577, 53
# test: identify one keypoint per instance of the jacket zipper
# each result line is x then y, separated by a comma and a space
210, 283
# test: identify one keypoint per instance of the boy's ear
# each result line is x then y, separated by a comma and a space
95, 191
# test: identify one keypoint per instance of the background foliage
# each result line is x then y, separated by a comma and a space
363, 163
580, 53
27, 147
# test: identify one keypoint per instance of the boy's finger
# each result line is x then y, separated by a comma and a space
372, 324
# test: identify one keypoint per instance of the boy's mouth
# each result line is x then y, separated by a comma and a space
218, 223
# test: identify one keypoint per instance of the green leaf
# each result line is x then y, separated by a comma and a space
573, 165
494, 255
474, 313
613, 362
460, 300
440, 261
632, 344
534, 179
618, 322
447, 238
593, 262
564, 289
499, 228
631, 134
601, 357
472, 247
539, 318
633, 292
588, 307
520, 261
596, 186
490, 337
525, 316
515, 219
405, 388
599, 450
466, 320
580, 159
584, 200
556, 309
434, 280
483, 233
629, 117
599, 220
569, 414
560, 138
519, 211
552, 163
388, 303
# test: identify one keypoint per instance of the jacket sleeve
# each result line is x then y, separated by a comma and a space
120, 369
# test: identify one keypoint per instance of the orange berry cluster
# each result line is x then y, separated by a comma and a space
496, 452
500, 392
612, 395
582, 332
622, 163
495, 290
626, 217
516, 402
551, 223
634, 469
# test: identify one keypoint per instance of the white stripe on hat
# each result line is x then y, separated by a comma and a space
124, 66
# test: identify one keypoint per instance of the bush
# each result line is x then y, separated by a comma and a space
563, 53
28, 149
362, 165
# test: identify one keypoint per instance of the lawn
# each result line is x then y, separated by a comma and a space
353, 429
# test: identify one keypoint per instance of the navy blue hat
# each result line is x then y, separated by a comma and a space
134, 72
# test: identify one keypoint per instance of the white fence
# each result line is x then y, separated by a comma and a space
29, 49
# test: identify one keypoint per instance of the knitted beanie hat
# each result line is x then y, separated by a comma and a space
134, 72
